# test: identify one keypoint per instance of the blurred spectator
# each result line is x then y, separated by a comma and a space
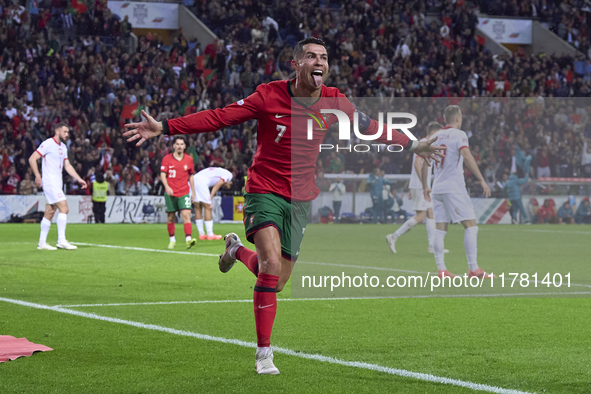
28, 186
512, 190
586, 157
100, 189
83, 72
393, 204
565, 214
10, 181
338, 191
584, 212
545, 214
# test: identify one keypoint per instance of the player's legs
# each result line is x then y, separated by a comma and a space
199, 219
441, 218
406, 227
430, 224
188, 227
270, 223
183, 205
45, 226
208, 216
172, 207
268, 248
471, 243
466, 212
170, 219
62, 221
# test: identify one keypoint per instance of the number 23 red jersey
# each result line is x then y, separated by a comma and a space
177, 173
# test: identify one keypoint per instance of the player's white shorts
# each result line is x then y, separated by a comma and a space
53, 194
419, 202
452, 207
201, 191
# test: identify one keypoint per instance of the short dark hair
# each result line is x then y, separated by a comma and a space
298, 50
60, 124
433, 126
178, 137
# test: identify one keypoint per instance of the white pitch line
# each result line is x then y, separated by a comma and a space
364, 267
507, 228
557, 231
325, 299
299, 262
317, 357
146, 249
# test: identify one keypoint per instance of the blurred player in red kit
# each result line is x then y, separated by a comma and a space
176, 173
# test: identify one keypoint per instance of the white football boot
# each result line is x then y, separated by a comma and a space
66, 245
45, 246
264, 362
391, 239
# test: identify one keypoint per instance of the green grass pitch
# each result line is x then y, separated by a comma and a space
491, 336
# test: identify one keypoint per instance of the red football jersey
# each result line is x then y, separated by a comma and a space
177, 173
285, 160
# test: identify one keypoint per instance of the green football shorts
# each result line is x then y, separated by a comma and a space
289, 218
174, 204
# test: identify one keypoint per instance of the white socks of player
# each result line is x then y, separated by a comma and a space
199, 223
45, 226
209, 227
407, 226
438, 249
172, 239
62, 221
471, 246
430, 232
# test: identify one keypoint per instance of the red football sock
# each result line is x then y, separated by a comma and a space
170, 227
265, 307
249, 258
188, 228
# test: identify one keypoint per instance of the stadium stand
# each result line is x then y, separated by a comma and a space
73, 64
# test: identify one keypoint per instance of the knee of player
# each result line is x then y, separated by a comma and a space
280, 286
270, 265
66, 210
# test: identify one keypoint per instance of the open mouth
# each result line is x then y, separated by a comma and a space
317, 77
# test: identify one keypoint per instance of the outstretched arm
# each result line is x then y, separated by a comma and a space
472, 166
199, 122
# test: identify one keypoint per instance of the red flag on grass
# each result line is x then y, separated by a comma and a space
12, 348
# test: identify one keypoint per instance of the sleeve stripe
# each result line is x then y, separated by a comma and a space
37, 150
462, 147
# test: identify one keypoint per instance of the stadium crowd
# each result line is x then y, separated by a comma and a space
75, 65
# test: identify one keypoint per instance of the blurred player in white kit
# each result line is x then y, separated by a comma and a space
55, 158
214, 177
451, 202
423, 208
